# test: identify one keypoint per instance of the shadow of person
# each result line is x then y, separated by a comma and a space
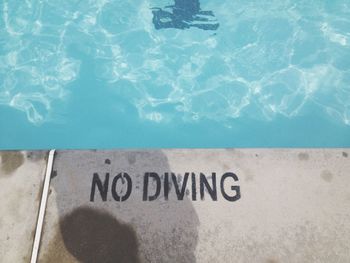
83, 230
79, 228
182, 15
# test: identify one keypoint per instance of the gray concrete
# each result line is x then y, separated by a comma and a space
21, 175
294, 207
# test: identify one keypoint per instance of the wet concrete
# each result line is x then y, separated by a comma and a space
112, 231
293, 206
83, 230
21, 181
217, 205
10, 161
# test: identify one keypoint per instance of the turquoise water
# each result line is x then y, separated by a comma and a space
151, 73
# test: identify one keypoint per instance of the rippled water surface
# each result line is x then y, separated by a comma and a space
152, 73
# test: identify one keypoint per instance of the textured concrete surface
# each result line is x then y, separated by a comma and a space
287, 206
21, 175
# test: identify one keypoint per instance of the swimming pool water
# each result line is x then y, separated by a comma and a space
151, 73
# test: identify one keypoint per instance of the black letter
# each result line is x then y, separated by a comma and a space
180, 193
102, 188
114, 186
212, 191
145, 186
166, 186
234, 188
194, 190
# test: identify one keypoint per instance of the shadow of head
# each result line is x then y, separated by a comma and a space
91, 235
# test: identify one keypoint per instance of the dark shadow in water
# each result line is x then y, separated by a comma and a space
184, 14
111, 231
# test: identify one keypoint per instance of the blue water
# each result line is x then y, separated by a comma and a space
152, 73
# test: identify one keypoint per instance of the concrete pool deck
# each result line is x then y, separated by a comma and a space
178, 205
21, 178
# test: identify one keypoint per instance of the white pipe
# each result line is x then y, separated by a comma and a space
44, 196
